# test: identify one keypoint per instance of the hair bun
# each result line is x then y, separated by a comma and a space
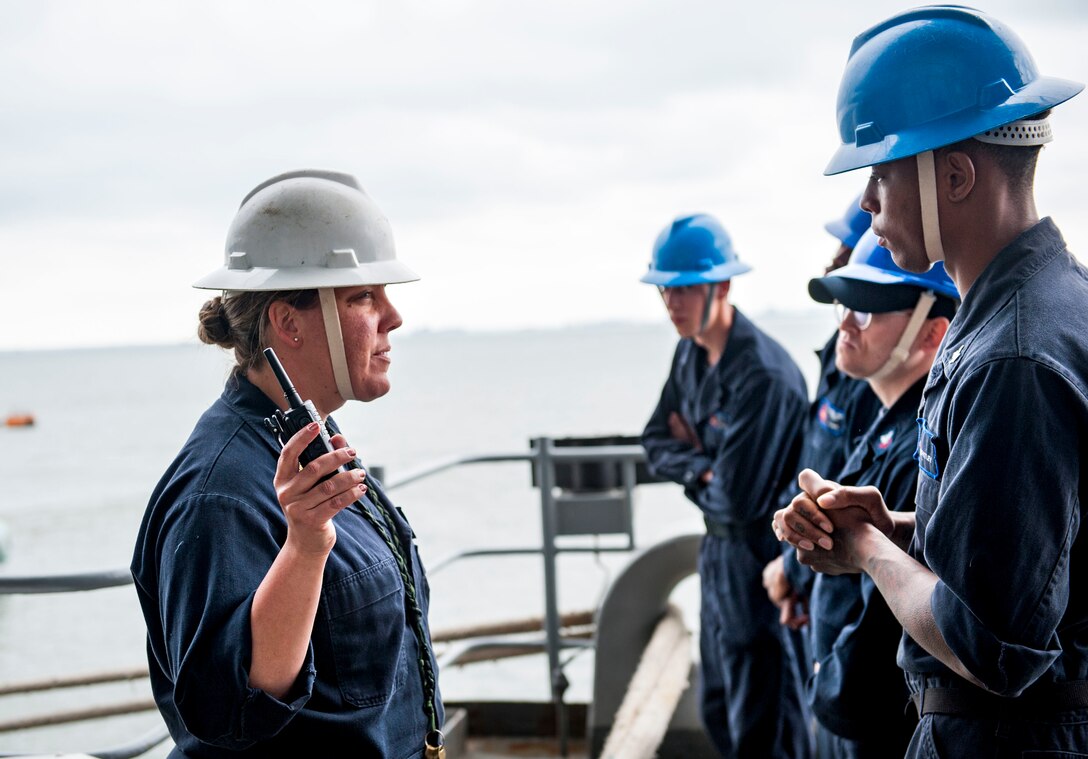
214, 327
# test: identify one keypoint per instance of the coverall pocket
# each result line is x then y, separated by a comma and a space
366, 626
930, 451
922, 745
925, 499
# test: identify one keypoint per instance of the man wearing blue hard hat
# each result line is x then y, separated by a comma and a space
841, 412
946, 105
891, 323
727, 428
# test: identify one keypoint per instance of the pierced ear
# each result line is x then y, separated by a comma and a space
282, 323
959, 175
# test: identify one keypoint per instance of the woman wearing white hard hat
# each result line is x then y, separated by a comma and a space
287, 605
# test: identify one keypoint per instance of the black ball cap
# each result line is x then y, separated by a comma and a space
859, 295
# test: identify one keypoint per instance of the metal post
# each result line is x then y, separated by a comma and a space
546, 477
627, 470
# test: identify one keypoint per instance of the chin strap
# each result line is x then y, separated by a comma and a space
927, 194
706, 306
335, 338
902, 349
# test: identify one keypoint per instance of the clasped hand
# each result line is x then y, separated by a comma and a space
824, 509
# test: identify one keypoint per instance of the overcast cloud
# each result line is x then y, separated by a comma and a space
526, 153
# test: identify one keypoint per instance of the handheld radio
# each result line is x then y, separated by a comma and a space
301, 413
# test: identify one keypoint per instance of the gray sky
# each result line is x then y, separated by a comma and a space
526, 154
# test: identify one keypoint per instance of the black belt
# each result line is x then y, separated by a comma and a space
1045, 701
741, 531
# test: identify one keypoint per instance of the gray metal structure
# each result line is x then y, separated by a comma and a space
630, 611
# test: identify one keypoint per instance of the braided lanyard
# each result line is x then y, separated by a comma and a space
386, 529
433, 747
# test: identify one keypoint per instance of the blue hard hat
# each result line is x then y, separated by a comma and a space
852, 225
933, 76
872, 282
693, 250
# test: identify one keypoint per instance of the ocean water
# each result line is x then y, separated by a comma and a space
108, 421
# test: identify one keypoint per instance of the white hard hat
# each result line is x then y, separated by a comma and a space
308, 229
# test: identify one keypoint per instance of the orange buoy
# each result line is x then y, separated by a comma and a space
19, 420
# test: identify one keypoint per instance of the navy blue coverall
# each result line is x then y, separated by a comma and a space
1001, 449
210, 533
841, 412
747, 413
857, 691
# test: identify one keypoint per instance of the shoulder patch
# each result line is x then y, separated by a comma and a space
885, 440
831, 417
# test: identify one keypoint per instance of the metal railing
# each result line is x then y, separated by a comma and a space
564, 511
571, 503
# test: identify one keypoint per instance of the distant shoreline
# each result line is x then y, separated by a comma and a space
408, 333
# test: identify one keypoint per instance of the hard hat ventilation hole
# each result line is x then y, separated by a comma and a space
1025, 132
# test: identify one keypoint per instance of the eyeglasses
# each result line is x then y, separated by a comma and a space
860, 319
